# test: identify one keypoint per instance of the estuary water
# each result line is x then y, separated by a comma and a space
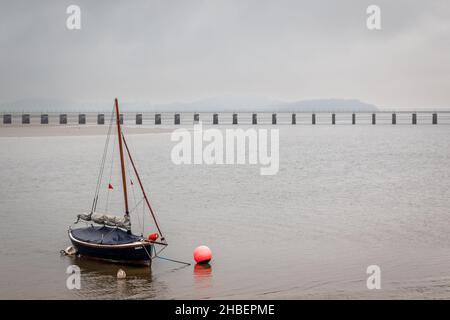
345, 198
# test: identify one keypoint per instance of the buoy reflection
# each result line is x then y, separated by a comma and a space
202, 275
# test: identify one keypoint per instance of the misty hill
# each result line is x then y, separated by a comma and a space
214, 104
327, 105
250, 104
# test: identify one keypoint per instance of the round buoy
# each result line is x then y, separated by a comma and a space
153, 237
202, 254
121, 274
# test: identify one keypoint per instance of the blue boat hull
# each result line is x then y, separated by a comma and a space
138, 252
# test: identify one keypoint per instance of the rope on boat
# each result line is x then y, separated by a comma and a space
148, 254
132, 184
102, 165
136, 204
110, 174
142, 188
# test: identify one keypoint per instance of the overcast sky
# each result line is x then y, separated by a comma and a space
182, 50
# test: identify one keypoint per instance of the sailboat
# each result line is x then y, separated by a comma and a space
109, 237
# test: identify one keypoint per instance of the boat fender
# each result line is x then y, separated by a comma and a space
153, 237
121, 274
69, 251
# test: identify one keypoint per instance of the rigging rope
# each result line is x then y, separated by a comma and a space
102, 165
134, 197
143, 215
138, 203
112, 166
143, 207
142, 189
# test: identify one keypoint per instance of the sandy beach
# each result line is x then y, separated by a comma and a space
76, 130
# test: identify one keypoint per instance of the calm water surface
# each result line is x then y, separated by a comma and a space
345, 197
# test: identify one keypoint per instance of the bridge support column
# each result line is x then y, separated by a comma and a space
235, 118
7, 119
254, 118
25, 119
158, 118
435, 118
82, 119
100, 118
44, 118
138, 118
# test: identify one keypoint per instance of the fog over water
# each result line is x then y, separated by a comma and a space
171, 51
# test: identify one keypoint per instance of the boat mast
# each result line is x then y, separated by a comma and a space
122, 160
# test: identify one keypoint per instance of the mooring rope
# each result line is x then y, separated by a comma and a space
176, 261
156, 256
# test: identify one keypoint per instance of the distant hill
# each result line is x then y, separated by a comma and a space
327, 105
214, 104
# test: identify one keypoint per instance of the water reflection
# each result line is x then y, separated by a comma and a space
99, 280
93, 266
344, 237
203, 276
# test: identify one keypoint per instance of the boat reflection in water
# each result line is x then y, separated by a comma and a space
99, 280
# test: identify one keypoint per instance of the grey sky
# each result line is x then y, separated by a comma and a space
167, 50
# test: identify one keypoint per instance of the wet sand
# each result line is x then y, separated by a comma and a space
75, 130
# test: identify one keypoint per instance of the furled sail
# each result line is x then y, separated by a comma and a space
108, 220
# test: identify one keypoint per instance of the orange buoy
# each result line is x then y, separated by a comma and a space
202, 254
153, 237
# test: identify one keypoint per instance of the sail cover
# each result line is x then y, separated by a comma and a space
108, 220
104, 235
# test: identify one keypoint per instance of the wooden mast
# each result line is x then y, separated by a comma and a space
122, 160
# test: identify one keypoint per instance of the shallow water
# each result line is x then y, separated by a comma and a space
345, 197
